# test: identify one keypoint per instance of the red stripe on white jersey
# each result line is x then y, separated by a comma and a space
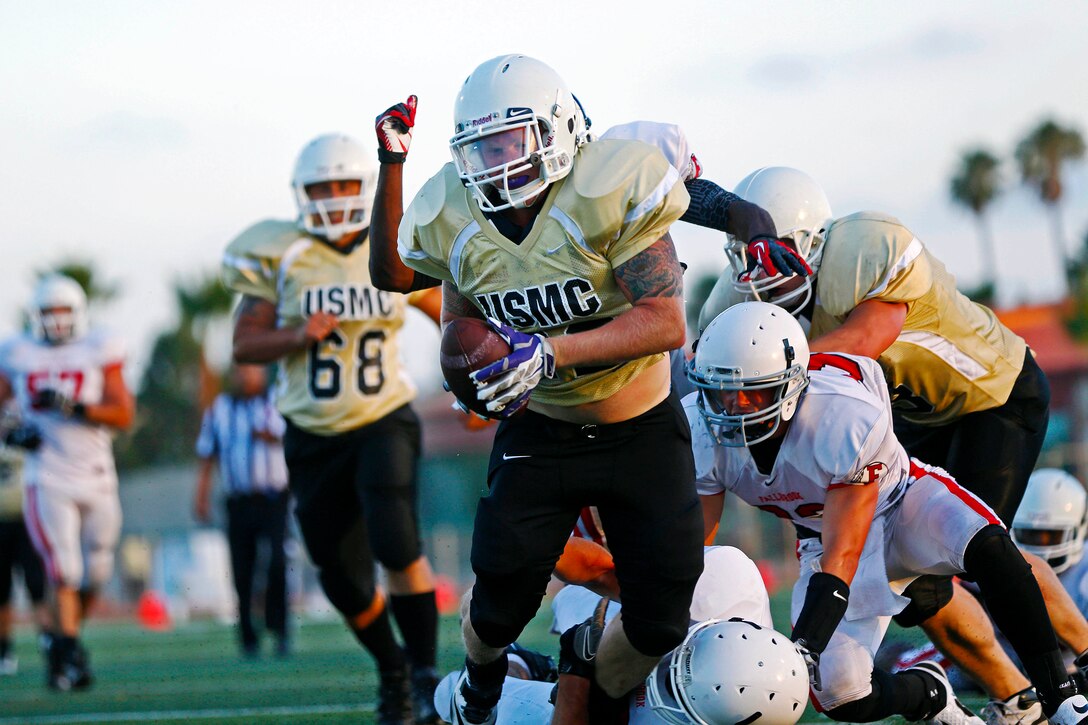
586, 527
37, 532
919, 469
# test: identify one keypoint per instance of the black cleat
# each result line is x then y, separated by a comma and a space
394, 699
424, 683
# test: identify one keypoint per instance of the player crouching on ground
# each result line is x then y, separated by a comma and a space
68, 383
809, 439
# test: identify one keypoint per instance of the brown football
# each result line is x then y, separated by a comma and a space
469, 344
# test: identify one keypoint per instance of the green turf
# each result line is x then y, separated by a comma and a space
159, 677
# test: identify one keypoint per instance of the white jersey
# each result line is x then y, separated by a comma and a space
814, 457
669, 139
730, 586
74, 455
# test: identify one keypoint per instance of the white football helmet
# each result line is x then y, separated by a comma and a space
752, 346
801, 212
729, 672
58, 310
1052, 517
517, 128
334, 157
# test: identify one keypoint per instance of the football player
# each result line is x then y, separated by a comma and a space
730, 588
353, 441
966, 392
69, 384
809, 438
16, 549
564, 245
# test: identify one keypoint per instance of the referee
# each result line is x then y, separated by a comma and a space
243, 432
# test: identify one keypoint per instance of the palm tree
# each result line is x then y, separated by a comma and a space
84, 272
1041, 155
177, 383
975, 185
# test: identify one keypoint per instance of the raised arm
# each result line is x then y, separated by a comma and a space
258, 340
387, 271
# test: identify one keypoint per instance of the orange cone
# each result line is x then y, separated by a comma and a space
152, 613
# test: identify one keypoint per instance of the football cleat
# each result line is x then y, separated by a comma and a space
480, 711
954, 712
1072, 711
394, 700
424, 682
1023, 708
9, 665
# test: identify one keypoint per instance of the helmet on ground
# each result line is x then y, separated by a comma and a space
517, 129
752, 350
730, 671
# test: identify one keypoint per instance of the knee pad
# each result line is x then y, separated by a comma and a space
350, 595
501, 606
928, 594
991, 556
654, 638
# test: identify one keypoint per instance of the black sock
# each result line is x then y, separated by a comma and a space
417, 620
379, 641
485, 682
913, 694
1052, 682
5, 646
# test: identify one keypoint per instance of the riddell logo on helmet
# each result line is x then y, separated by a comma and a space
482, 120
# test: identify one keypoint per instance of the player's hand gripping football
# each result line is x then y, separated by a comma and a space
504, 385
774, 258
394, 129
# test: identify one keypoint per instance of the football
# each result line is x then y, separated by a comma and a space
469, 344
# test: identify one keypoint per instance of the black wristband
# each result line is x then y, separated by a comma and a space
79, 411
826, 600
385, 156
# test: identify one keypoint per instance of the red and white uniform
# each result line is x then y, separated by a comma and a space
730, 586
71, 502
841, 435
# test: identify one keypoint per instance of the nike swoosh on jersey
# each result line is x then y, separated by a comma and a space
556, 249
508, 457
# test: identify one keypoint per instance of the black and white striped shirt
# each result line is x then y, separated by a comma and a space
247, 463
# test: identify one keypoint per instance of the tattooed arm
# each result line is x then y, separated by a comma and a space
653, 283
455, 305
258, 340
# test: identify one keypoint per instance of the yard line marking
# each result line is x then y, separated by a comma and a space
210, 714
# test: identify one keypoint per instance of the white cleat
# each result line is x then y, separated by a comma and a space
954, 712
9, 665
1023, 708
1072, 711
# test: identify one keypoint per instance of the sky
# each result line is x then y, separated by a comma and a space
143, 136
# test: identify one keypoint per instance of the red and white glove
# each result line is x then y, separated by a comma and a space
394, 129
774, 258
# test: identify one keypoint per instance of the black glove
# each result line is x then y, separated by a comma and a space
812, 662
775, 258
26, 436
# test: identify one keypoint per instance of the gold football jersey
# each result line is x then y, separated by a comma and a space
354, 376
11, 484
953, 357
619, 199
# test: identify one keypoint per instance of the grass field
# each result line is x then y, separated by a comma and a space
194, 674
